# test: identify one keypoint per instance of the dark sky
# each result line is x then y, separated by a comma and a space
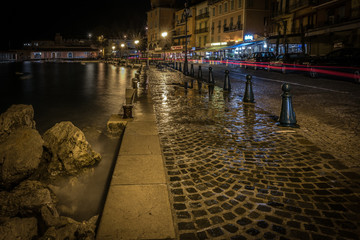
40, 20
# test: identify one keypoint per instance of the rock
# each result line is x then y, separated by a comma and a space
116, 125
16, 116
68, 149
72, 230
26, 199
20, 155
19, 228
49, 215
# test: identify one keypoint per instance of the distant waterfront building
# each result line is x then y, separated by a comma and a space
59, 49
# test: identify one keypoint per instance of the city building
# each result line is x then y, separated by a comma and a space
336, 24
237, 27
180, 36
202, 33
160, 19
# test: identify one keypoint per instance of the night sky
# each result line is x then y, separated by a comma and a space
39, 20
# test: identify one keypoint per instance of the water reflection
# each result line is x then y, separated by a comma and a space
87, 95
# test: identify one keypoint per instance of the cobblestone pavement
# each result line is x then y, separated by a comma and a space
234, 174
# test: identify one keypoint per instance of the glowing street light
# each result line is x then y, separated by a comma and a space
136, 42
164, 35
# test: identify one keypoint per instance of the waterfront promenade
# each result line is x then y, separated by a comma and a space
231, 173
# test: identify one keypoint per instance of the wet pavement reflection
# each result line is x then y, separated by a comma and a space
234, 174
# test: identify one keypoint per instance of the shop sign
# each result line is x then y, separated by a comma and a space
177, 47
158, 49
219, 44
248, 37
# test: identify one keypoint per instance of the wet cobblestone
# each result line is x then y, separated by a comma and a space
234, 174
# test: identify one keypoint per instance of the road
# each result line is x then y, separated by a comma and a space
327, 110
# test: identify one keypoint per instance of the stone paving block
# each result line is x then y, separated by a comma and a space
137, 212
137, 144
139, 169
253, 179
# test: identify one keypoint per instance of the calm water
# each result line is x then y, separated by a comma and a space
85, 94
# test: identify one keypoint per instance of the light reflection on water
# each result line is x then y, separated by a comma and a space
83, 94
87, 95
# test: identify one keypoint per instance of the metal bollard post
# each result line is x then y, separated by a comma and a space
192, 73
287, 114
211, 82
176, 65
249, 95
211, 76
199, 74
180, 67
227, 85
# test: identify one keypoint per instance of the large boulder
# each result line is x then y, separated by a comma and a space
20, 155
15, 117
72, 230
26, 199
18, 228
68, 150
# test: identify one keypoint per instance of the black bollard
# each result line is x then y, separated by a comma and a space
192, 73
180, 67
176, 65
227, 85
287, 114
199, 74
211, 76
249, 95
211, 82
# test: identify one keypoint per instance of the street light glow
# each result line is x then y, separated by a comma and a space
122, 45
164, 34
136, 41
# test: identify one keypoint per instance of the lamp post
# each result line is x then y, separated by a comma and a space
136, 44
113, 50
164, 35
122, 49
185, 16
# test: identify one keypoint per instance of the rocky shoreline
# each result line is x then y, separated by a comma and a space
31, 166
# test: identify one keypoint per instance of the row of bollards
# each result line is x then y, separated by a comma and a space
287, 114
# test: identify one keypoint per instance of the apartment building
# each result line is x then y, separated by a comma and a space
180, 36
160, 19
231, 20
336, 25
202, 33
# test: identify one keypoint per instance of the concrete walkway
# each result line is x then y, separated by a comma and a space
137, 204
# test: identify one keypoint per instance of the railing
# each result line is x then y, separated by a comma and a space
179, 33
302, 3
202, 16
202, 30
233, 28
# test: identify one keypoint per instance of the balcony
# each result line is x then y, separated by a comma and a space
202, 30
233, 28
302, 4
179, 34
202, 16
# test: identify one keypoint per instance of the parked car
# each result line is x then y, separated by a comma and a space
290, 62
342, 63
259, 60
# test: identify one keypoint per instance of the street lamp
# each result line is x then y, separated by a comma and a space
185, 16
113, 48
122, 49
136, 43
164, 35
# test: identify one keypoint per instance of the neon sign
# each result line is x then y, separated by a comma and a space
249, 37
